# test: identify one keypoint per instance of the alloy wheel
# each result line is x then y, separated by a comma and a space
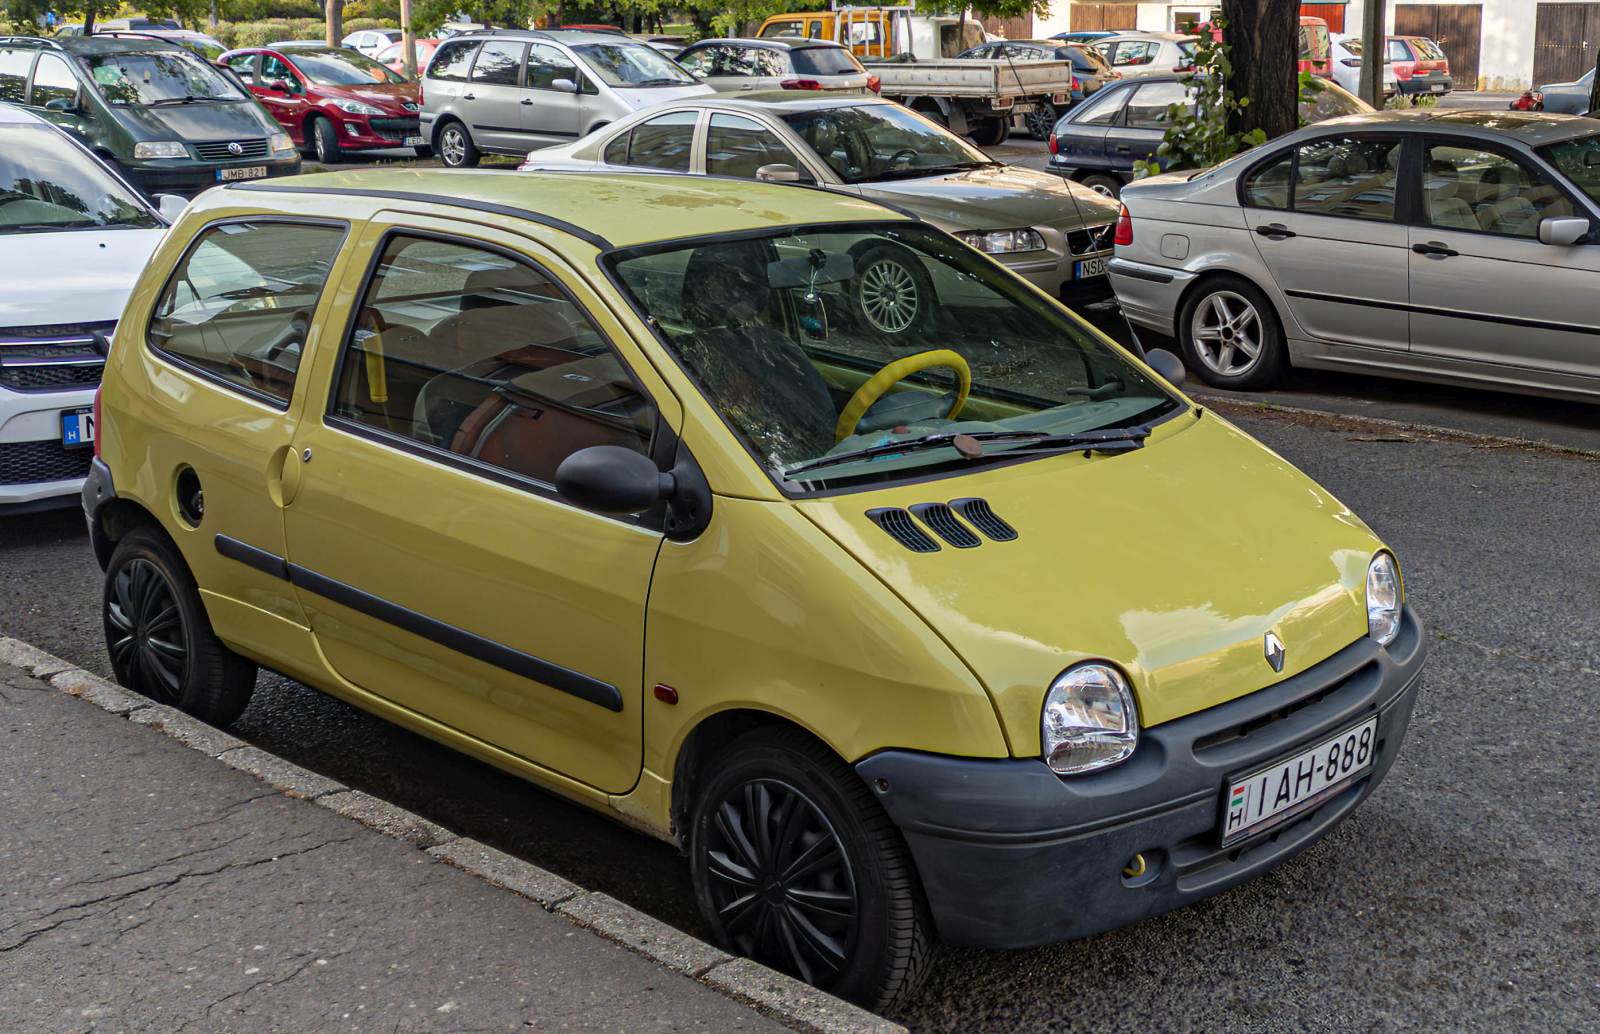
888, 295
1041, 120
1227, 333
148, 640
780, 881
452, 146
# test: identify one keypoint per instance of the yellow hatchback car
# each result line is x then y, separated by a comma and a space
602, 480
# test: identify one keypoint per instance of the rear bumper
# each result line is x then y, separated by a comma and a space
1417, 85
1148, 294
1012, 855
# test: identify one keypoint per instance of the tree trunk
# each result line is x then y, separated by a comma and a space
1263, 38
88, 22
335, 22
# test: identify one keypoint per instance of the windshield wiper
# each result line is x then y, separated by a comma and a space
1109, 439
187, 98
658, 82
916, 172
47, 227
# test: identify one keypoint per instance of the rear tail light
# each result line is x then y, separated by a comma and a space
800, 84
874, 84
1183, 68
1124, 234
1074, 85
99, 429
1055, 148
1350, 62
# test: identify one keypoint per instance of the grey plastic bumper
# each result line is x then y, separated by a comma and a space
1012, 855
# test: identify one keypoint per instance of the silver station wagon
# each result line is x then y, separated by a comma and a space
1451, 246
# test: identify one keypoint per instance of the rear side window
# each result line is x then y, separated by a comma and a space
1152, 103
1102, 109
721, 59
53, 80
1349, 177
452, 60
664, 142
14, 75
482, 356
499, 63
1398, 51
238, 305
825, 61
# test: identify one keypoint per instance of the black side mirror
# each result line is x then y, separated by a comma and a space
62, 104
1169, 366
611, 479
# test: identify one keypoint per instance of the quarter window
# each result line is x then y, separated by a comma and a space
238, 305
737, 146
452, 60
1398, 51
1152, 103
1465, 188
482, 356
497, 64
14, 75
53, 80
1103, 108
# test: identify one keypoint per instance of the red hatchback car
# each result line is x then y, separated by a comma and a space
332, 99
1420, 66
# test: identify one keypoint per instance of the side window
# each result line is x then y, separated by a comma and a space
546, 64
238, 305
664, 142
276, 70
1151, 102
52, 80
1464, 188
1268, 186
452, 60
1349, 177
499, 63
789, 27
814, 30
699, 61
14, 75
737, 146
1103, 108
244, 66
480, 355
1398, 51
1133, 52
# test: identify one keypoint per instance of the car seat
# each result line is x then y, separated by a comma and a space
1507, 209
1441, 190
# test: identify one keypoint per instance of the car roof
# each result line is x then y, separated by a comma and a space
1532, 128
775, 44
89, 46
782, 102
606, 209
1169, 37
11, 115
571, 37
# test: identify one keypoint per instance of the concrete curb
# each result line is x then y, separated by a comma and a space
785, 999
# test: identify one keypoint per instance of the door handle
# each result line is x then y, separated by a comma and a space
1433, 249
1124, 148
1276, 231
469, 96
527, 102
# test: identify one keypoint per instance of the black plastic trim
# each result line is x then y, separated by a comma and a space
98, 489
1135, 273
507, 658
1424, 310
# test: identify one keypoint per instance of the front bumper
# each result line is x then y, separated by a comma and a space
1012, 855
189, 177
37, 472
370, 132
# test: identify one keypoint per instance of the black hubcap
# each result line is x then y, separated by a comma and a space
780, 881
147, 638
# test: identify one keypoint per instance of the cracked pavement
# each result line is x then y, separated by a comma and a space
146, 887
1462, 896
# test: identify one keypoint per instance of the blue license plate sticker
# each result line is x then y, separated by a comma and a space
77, 427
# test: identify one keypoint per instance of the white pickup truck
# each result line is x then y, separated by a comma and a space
974, 97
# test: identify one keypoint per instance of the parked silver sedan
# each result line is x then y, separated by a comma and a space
1452, 246
752, 65
1054, 233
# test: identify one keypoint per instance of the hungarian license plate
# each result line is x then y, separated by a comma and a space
415, 141
242, 172
77, 427
1088, 268
1284, 789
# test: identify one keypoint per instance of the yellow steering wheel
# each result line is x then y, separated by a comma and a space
879, 384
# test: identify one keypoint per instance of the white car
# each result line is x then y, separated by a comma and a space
1347, 67
74, 238
1147, 53
371, 41
753, 65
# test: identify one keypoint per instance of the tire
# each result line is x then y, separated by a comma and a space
892, 292
325, 142
159, 638
854, 921
930, 111
423, 151
455, 147
1110, 186
1042, 121
1219, 323
991, 132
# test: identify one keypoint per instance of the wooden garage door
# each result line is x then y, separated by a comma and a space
1458, 28
1009, 28
1564, 40
1104, 16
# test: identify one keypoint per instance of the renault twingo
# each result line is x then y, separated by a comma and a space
600, 480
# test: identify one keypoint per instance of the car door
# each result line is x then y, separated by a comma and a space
442, 573
1081, 141
555, 113
494, 101
1484, 289
1325, 225
282, 92
1136, 135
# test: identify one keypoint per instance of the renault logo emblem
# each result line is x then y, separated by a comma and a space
1272, 646
234, 147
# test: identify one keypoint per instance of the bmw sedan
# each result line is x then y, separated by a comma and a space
1452, 246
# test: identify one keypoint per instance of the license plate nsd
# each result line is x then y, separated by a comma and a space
1277, 792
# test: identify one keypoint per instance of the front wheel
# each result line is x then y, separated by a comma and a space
325, 141
1230, 335
456, 148
892, 292
797, 866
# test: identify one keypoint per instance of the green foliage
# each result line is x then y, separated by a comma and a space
258, 34
1416, 100
1197, 136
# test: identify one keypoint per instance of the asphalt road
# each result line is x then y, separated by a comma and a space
1463, 895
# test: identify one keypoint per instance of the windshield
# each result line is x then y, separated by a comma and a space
339, 67
47, 184
160, 77
632, 64
883, 142
1578, 160
784, 332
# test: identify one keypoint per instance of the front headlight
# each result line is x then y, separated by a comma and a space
1089, 720
1002, 242
357, 107
1384, 599
160, 149
281, 143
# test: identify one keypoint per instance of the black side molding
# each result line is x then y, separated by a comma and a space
507, 658
1141, 274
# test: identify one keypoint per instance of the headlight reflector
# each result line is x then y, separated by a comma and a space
1002, 242
160, 149
1089, 720
281, 143
1384, 599
355, 107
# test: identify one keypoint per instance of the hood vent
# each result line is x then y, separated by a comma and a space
943, 521
941, 517
982, 516
903, 529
